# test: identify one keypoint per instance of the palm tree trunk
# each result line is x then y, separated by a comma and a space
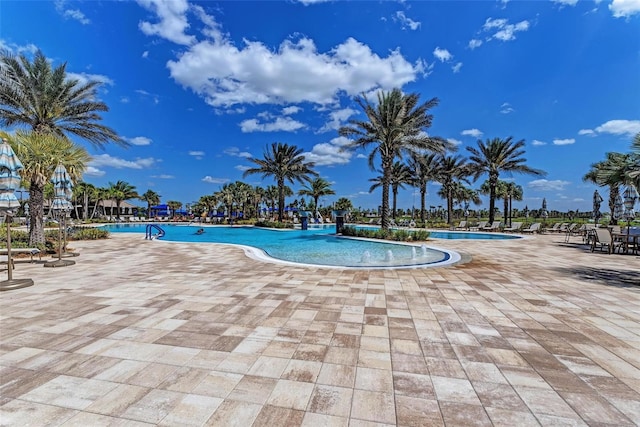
85, 206
423, 201
395, 197
36, 213
450, 206
280, 199
614, 190
506, 208
493, 182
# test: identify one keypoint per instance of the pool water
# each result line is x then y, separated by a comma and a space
316, 246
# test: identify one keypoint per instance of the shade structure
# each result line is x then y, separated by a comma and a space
63, 189
10, 166
618, 208
597, 200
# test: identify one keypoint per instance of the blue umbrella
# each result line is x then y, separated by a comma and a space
618, 208
63, 189
9, 183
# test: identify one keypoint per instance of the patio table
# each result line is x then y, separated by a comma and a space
629, 241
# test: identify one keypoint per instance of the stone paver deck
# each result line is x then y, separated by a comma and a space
530, 332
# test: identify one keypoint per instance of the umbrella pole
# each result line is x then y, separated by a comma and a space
7, 219
59, 262
59, 239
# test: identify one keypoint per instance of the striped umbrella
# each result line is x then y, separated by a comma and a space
63, 189
618, 208
9, 178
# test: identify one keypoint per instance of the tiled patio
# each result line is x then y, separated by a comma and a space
530, 332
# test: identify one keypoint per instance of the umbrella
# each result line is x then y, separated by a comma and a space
63, 190
9, 183
545, 214
618, 208
597, 199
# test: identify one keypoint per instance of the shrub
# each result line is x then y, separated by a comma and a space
87, 233
379, 233
274, 224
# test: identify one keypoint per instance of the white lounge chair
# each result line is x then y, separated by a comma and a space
533, 228
603, 238
515, 226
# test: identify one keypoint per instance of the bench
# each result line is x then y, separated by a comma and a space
30, 251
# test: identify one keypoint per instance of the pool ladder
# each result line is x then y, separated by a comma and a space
148, 235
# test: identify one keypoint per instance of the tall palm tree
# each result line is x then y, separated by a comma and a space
284, 163
151, 198
257, 197
494, 157
317, 188
450, 171
46, 100
40, 154
99, 194
460, 193
227, 196
271, 196
174, 206
396, 126
507, 191
208, 203
424, 168
121, 191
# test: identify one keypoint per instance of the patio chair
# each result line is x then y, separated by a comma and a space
602, 238
462, 226
533, 228
480, 226
515, 226
555, 228
494, 226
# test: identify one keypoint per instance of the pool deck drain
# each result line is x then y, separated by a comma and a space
527, 333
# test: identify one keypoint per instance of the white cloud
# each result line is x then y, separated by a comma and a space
454, 141
336, 119
287, 111
566, 2
506, 108
476, 133
138, 140
456, 68
71, 13
280, 124
242, 168
620, 127
308, 2
405, 21
197, 154
624, 8
361, 156
474, 43
235, 152
163, 176
145, 94
124, 100
93, 171
172, 20
145, 54
212, 180
84, 78
567, 141
330, 153
225, 74
547, 185
587, 132
503, 30
535, 142
15, 48
118, 163
442, 54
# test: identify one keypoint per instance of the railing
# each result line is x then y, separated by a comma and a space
149, 233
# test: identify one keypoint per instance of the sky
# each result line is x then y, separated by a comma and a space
198, 88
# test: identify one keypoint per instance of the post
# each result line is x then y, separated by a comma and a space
7, 219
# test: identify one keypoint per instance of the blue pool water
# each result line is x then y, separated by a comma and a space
316, 246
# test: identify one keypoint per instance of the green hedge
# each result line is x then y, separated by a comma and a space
389, 234
274, 224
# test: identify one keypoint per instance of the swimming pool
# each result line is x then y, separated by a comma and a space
316, 246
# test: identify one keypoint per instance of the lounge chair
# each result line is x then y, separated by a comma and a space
494, 226
533, 228
602, 238
462, 226
515, 226
480, 226
555, 228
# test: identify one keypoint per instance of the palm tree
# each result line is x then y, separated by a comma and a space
614, 172
208, 203
46, 100
396, 125
227, 196
81, 194
40, 154
174, 205
344, 204
257, 197
460, 194
450, 171
317, 188
506, 191
99, 194
121, 191
151, 198
284, 163
495, 156
400, 175
271, 196
424, 170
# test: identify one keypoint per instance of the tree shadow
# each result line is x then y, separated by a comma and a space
605, 276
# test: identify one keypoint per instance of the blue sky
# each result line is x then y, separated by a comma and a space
198, 87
